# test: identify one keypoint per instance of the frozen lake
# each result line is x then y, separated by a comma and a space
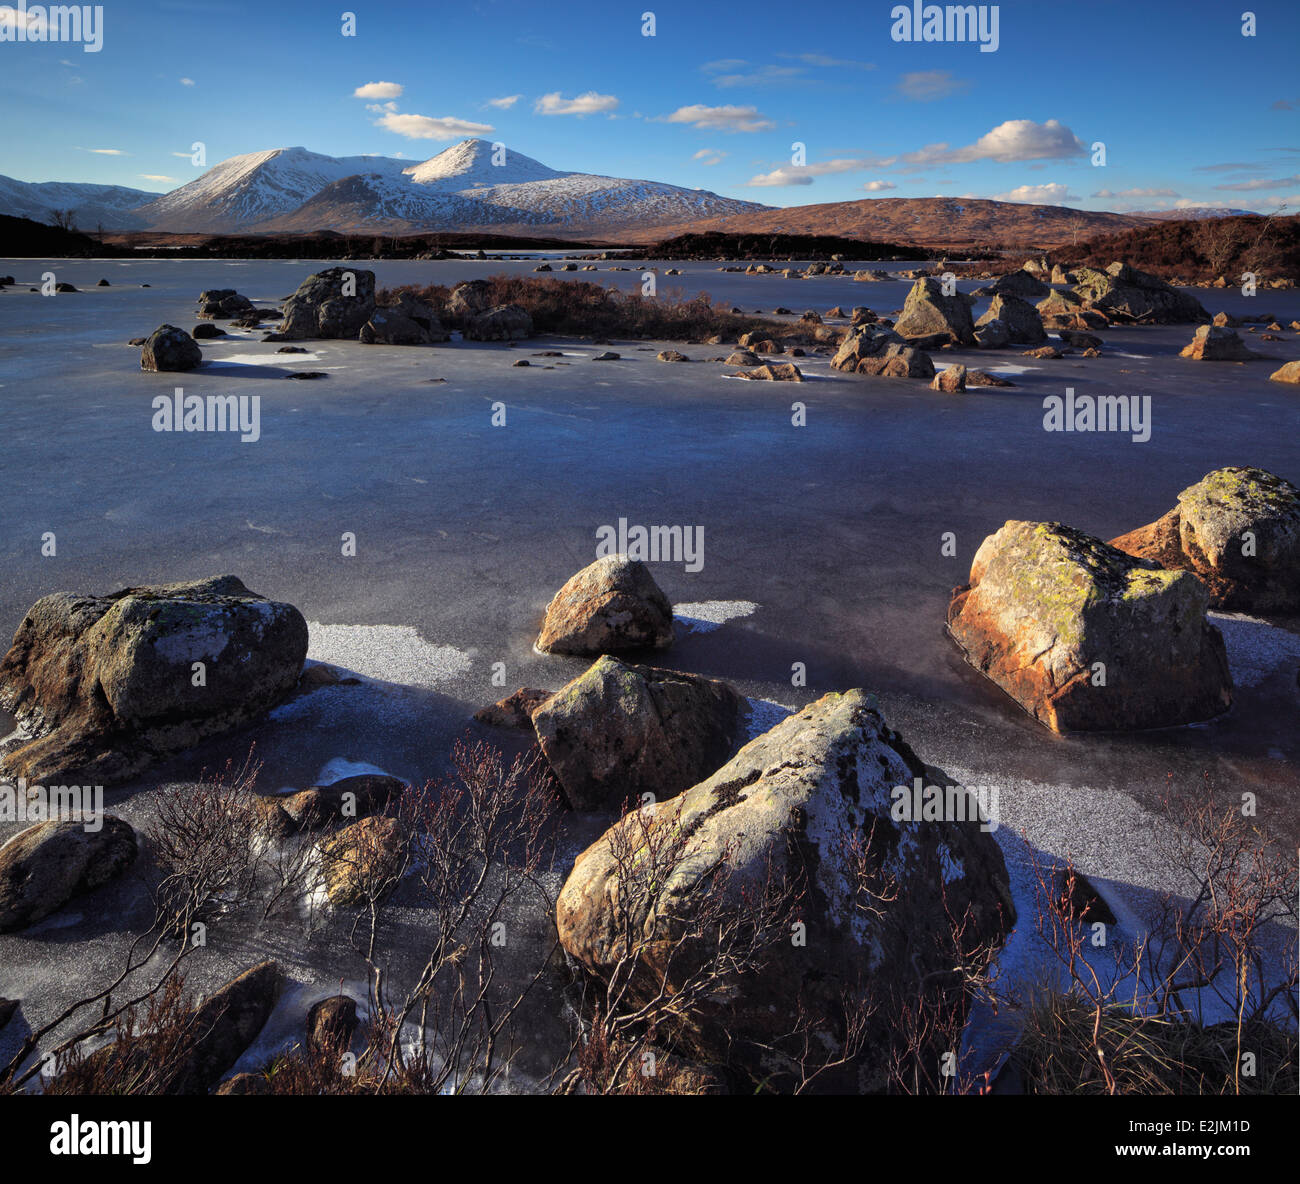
831, 531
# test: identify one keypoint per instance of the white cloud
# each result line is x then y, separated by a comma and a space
1016, 139
760, 76
879, 186
1042, 195
924, 86
187, 81
709, 156
803, 174
1135, 193
154, 177
428, 127
505, 102
1275, 183
106, 151
821, 59
587, 103
380, 108
1190, 203
721, 119
379, 90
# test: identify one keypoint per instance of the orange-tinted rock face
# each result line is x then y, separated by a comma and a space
1086, 638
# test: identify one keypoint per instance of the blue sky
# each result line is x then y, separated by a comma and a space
1191, 111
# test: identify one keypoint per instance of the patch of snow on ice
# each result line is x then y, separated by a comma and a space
1255, 648
704, 616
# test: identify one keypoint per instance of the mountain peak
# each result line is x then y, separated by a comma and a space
474, 163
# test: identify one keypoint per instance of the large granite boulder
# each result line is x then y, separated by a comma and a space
1217, 343
619, 731
1024, 325
506, 322
169, 348
801, 804
930, 318
1238, 529
1022, 284
1125, 294
1087, 638
867, 340
610, 606
403, 321
335, 302
102, 686
1288, 372
46, 865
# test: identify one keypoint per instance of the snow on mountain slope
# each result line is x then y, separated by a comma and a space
470, 164
468, 185
92, 206
244, 190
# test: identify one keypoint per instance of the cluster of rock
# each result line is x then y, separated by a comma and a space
1087, 635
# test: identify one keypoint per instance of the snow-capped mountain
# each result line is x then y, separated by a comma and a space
465, 187
1192, 213
92, 206
240, 192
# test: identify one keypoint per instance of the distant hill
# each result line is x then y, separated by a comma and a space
929, 221
1196, 212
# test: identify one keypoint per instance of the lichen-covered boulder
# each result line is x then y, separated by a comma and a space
1125, 294
1238, 529
610, 606
1024, 325
46, 865
809, 804
506, 322
102, 686
619, 731
1087, 638
169, 348
930, 318
1289, 372
335, 302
